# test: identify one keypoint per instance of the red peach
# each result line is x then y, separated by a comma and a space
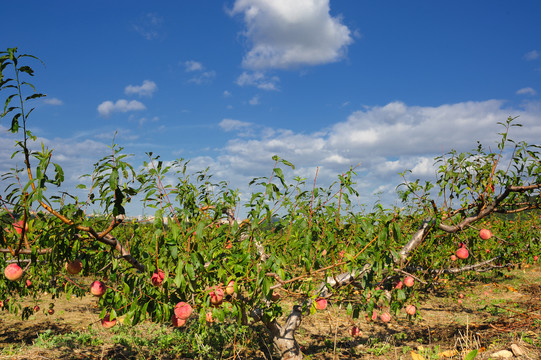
177, 322
411, 309
13, 272
374, 315
106, 323
385, 317
157, 277
453, 257
98, 288
28, 283
408, 281
399, 285
321, 304
485, 234
208, 317
50, 311
462, 253
36, 308
355, 331
183, 310
216, 296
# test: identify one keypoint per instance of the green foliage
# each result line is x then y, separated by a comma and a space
293, 240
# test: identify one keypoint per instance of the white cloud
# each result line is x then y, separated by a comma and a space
526, 91
531, 55
53, 101
200, 76
384, 140
258, 79
191, 65
146, 89
226, 94
285, 34
254, 101
106, 108
231, 124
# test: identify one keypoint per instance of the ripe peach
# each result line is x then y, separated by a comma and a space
535, 258
216, 296
399, 285
453, 257
461, 296
177, 322
355, 331
385, 317
74, 267
321, 304
13, 272
411, 309
374, 315
50, 311
97, 288
157, 277
106, 323
208, 317
183, 310
36, 308
28, 283
408, 281
19, 227
462, 253
230, 288
485, 234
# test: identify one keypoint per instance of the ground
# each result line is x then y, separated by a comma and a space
495, 313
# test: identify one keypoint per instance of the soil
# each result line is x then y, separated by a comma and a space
493, 315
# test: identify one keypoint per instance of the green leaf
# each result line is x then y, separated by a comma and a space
471, 355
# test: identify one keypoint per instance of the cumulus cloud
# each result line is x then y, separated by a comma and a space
285, 34
108, 107
379, 142
146, 89
526, 91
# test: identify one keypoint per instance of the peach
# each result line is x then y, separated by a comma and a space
485, 234
97, 288
355, 331
157, 277
13, 272
216, 296
411, 309
74, 267
399, 285
208, 317
453, 257
462, 253
230, 288
183, 310
321, 304
36, 308
19, 227
408, 281
177, 322
374, 315
106, 323
385, 317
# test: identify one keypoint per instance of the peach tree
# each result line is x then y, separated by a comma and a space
195, 265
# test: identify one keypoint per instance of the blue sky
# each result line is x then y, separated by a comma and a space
328, 84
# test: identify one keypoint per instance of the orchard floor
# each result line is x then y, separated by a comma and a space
494, 314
